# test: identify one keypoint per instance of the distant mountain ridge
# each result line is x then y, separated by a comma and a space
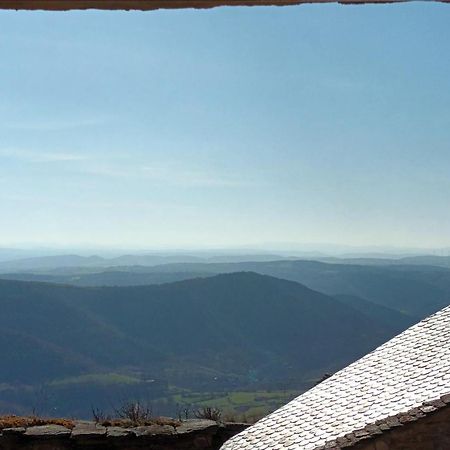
416, 260
94, 262
59, 262
411, 289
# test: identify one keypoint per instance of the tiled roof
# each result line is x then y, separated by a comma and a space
403, 380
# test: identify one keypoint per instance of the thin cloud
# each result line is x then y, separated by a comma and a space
169, 176
35, 156
162, 175
105, 171
54, 124
188, 177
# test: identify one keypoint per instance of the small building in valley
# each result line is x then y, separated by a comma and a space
395, 398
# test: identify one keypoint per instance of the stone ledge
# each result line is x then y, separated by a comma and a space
147, 5
189, 435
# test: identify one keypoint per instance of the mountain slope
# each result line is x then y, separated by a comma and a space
228, 323
49, 317
87, 346
413, 290
258, 316
390, 318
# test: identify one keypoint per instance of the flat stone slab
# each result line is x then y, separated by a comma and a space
88, 430
13, 431
48, 431
154, 430
119, 432
192, 426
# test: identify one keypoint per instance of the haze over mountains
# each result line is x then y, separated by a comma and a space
40, 263
412, 288
36, 260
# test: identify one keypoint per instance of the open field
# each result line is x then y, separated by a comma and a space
240, 405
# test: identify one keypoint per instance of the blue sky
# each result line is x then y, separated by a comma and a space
226, 127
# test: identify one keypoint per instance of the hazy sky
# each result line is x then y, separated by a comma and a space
226, 127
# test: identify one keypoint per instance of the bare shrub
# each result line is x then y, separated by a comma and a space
183, 412
207, 412
99, 416
135, 412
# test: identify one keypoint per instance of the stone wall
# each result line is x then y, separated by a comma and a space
429, 433
190, 435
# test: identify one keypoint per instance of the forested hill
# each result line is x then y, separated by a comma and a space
237, 329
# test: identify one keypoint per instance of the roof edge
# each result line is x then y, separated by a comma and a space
382, 426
